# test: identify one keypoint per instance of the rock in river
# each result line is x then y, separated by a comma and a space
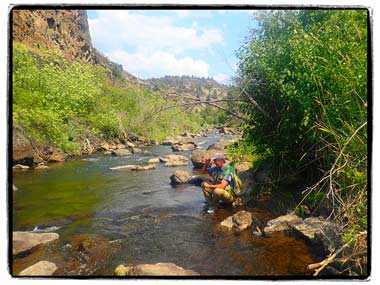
158, 269
239, 221
134, 167
198, 156
24, 241
42, 268
175, 163
121, 152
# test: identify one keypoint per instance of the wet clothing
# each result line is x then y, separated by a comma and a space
214, 195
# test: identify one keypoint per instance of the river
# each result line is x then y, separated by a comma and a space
106, 218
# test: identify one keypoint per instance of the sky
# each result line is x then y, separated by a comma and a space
155, 43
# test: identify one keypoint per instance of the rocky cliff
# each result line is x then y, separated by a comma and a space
65, 31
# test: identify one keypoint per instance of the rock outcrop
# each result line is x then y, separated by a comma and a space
22, 151
65, 31
24, 241
158, 269
42, 268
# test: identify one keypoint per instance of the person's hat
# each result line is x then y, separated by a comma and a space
219, 156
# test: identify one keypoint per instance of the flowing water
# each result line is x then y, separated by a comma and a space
106, 218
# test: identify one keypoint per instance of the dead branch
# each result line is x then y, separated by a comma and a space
211, 103
319, 266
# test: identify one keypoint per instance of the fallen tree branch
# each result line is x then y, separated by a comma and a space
319, 266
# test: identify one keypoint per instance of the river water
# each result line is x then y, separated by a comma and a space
106, 218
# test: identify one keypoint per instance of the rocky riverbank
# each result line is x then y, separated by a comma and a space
27, 154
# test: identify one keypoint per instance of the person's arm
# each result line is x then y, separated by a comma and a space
206, 165
222, 185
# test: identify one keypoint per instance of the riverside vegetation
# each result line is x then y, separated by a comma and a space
304, 74
61, 102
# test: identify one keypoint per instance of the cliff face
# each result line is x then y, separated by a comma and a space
64, 30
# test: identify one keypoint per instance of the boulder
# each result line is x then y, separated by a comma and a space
173, 157
57, 156
158, 269
180, 177
216, 146
121, 152
130, 144
104, 146
198, 157
24, 241
154, 160
183, 147
22, 151
282, 223
42, 268
183, 177
171, 141
21, 166
14, 187
136, 150
239, 221
107, 152
175, 163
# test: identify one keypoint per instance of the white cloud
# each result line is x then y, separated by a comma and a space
117, 30
159, 63
221, 77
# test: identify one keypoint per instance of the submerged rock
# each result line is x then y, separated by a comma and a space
42, 268
134, 167
144, 167
158, 269
24, 241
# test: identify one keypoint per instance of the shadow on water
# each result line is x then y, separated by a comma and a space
106, 218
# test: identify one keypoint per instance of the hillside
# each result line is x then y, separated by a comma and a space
68, 97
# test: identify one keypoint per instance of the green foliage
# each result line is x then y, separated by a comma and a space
307, 71
59, 103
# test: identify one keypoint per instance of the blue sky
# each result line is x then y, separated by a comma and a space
154, 43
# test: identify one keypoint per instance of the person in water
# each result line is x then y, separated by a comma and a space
222, 184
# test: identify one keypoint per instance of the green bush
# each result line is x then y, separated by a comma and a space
307, 71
